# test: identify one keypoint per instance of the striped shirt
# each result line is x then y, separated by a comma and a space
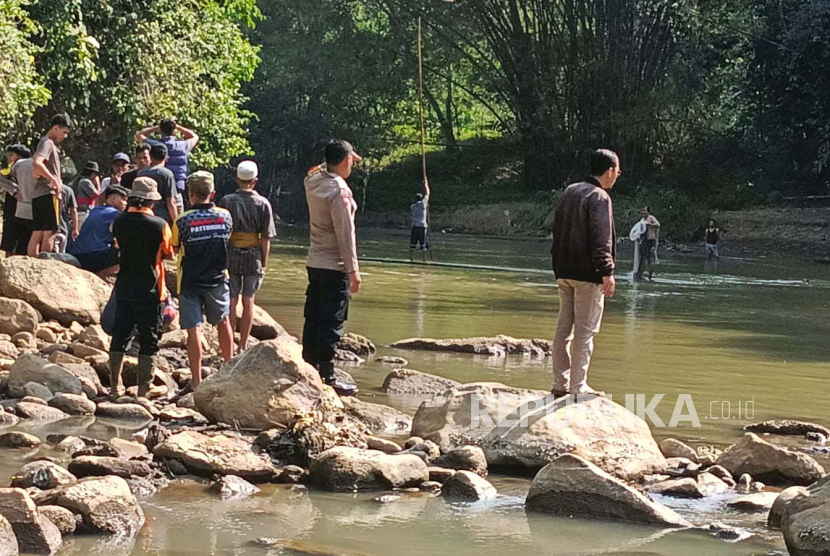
253, 221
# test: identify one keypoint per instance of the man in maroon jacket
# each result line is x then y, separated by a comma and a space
584, 249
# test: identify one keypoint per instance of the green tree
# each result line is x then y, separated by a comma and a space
21, 89
117, 65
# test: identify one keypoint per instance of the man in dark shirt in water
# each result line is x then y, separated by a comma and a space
712, 238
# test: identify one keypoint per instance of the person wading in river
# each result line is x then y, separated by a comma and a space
145, 241
419, 238
584, 252
333, 270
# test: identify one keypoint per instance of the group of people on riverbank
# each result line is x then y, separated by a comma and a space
129, 223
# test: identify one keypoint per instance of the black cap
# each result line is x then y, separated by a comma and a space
61, 120
116, 190
20, 150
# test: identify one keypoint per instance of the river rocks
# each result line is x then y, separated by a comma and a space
805, 522
466, 458
31, 368
124, 411
265, 387
769, 463
345, 469
8, 542
440, 474
181, 415
84, 351
62, 358
35, 390
357, 344
18, 440
573, 487
489, 415
94, 466
17, 316
673, 448
678, 488
8, 420
39, 412
465, 485
47, 335
8, 350
232, 487
44, 475
35, 534
127, 448
382, 445
59, 291
757, 502
106, 505
64, 520
787, 427
95, 337
73, 404
392, 360
414, 383
221, 455
710, 485
264, 327
379, 419
25, 340
778, 508
499, 346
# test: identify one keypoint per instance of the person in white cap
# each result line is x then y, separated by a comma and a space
249, 246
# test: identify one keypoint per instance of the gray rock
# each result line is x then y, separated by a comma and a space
499, 346
379, 419
31, 368
757, 502
8, 420
8, 542
412, 441
805, 522
219, 454
382, 445
440, 474
409, 382
35, 390
292, 475
106, 505
676, 488
427, 450
345, 469
467, 458
744, 481
673, 448
42, 474
787, 427
465, 485
73, 404
128, 449
64, 520
34, 400
35, 534
17, 316
710, 485
571, 486
39, 412
776, 512
182, 415
390, 360
233, 487
93, 466
357, 344
123, 411
17, 439
769, 463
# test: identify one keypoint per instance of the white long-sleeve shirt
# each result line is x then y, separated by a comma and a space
331, 207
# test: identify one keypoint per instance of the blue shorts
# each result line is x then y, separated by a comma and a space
197, 304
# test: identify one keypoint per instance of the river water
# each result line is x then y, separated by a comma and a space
742, 342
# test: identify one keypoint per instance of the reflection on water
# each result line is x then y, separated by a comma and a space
750, 330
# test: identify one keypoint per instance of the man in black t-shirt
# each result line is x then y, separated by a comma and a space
144, 241
170, 204
142, 161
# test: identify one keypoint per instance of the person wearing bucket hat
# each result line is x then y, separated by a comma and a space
144, 241
333, 269
46, 167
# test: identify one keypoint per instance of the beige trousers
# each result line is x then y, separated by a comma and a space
580, 313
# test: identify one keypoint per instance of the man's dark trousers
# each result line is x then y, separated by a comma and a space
326, 311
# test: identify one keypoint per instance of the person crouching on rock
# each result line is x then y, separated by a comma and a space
144, 241
200, 235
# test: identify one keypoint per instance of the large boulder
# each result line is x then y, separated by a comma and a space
8, 542
465, 485
409, 382
105, 504
31, 368
379, 419
264, 327
35, 533
573, 487
216, 455
57, 290
73, 404
805, 522
44, 475
499, 346
530, 429
265, 387
345, 469
17, 316
96, 466
776, 512
466, 458
769, 463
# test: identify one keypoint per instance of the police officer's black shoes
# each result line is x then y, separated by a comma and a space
343, 389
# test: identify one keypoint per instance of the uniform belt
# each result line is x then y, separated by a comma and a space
245, 240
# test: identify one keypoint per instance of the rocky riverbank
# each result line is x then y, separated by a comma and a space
265, 417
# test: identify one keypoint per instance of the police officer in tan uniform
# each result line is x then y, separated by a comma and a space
333, 270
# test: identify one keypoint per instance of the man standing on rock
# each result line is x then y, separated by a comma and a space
144, 241
333, 269
584, 251
250, 245
201, 237
46, 196
16, 231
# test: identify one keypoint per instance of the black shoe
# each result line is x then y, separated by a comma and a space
343, 389
557, 394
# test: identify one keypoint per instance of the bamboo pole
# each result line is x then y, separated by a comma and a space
423, 127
